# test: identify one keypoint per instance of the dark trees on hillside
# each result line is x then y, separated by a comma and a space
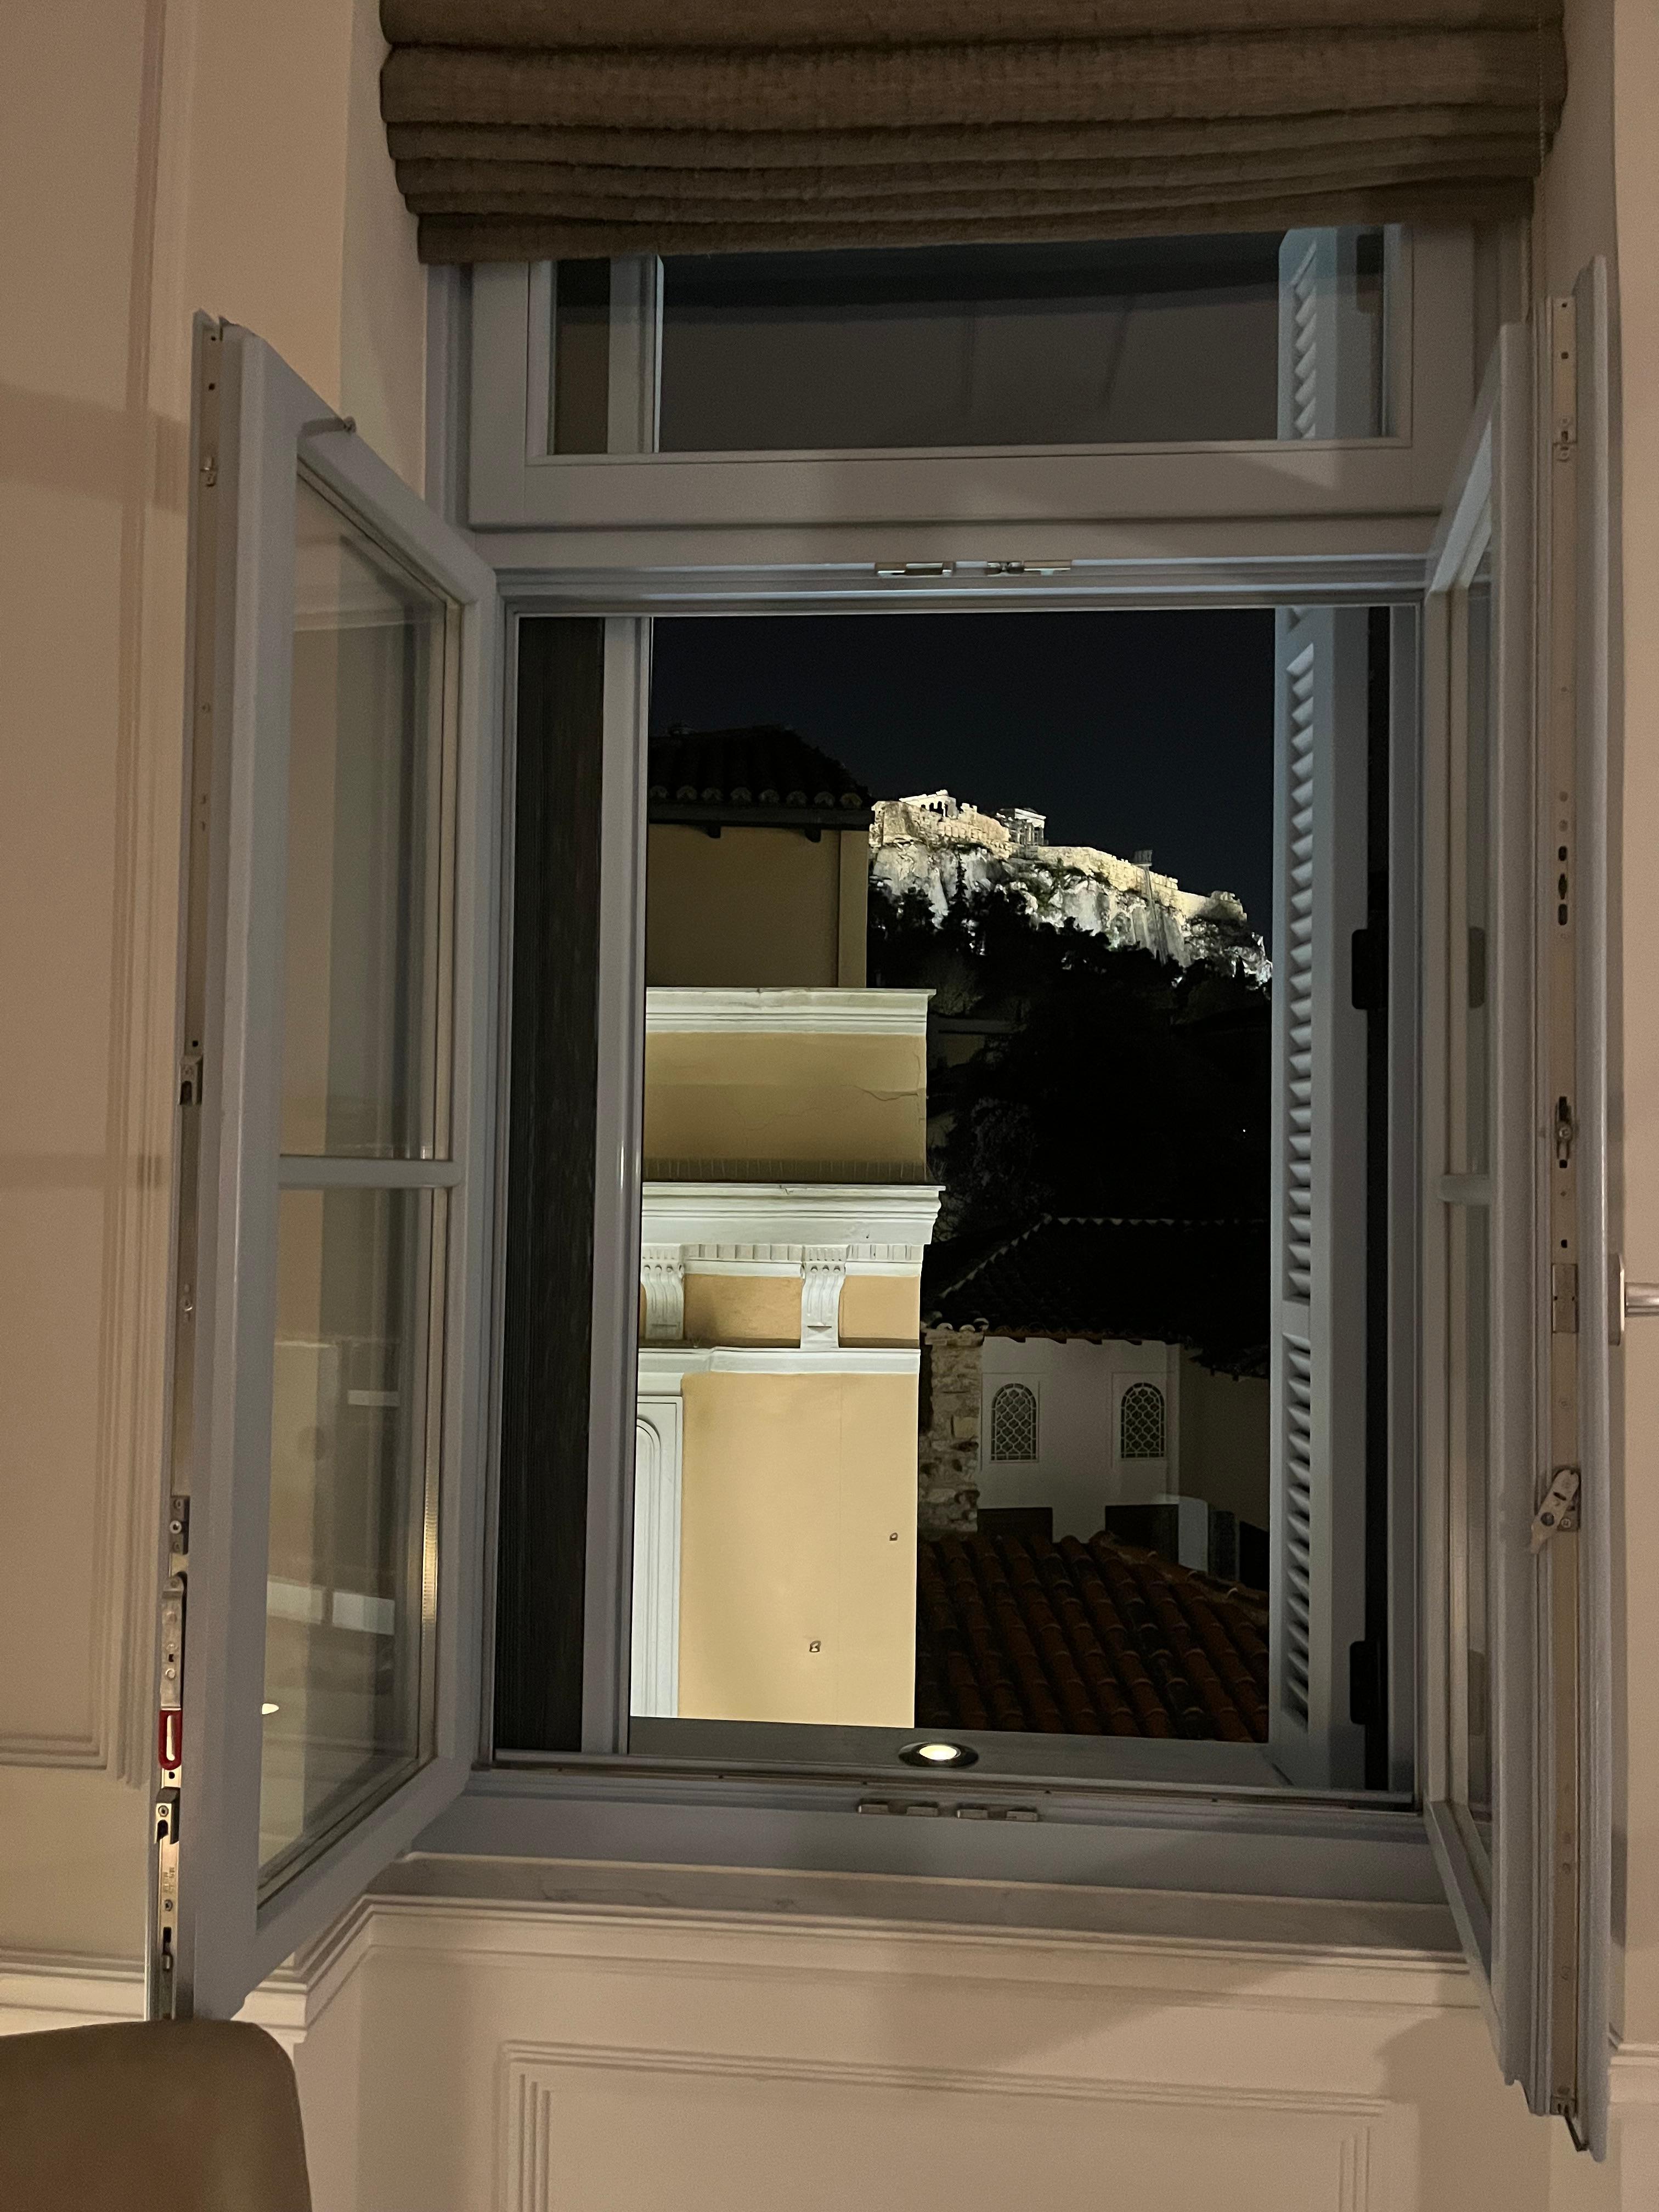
1103, 1081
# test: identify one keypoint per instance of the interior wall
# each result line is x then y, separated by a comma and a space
630, 2041
1226, 1435
162, 156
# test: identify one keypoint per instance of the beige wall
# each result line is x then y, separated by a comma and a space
768, 1105
798, 1549
1225, 1436
761, 909
745, 1309
738, 1310
881, 1309
157, 157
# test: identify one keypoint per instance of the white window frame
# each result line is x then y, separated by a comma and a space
256, 427
1536, 1917
640, 506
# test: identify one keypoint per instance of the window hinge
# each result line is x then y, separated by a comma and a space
1559, 1513
190, 1078
916, 567
1563, 1299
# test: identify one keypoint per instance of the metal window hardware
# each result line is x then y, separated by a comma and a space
1016, 567
1559, 1513
1563, 1299
928, 1808
1627, 1301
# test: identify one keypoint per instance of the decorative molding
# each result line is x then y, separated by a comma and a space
662, 1271
823, 1272
1635, 2068
39, 1992
786, 1014
654, 1673
534, 2078
777, 1220
663, 1367
788, 1266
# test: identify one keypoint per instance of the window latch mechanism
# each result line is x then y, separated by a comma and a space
1559, 1513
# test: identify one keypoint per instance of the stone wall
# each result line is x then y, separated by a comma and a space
947, 1448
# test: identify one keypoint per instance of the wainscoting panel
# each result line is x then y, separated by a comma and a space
629, 2128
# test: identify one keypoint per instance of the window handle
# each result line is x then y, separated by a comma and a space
1629, 1301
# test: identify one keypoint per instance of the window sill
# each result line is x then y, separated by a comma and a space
1189, 1860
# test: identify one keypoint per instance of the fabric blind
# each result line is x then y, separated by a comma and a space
530, 130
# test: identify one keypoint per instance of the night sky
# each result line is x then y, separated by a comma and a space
1126, 730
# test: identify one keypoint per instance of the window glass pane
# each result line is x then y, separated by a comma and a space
1259, 336
366, 999
579, 391
349, 1632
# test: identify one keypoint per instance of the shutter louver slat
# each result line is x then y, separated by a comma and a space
1316, 1358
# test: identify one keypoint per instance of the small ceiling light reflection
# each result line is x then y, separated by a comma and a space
935, 1752
267, 1708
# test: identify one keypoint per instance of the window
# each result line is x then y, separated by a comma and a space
319, 1685
1140, 1422
1014, 1422
716, 1186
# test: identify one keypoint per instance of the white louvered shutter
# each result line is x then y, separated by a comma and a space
1318, 1566
1326, 345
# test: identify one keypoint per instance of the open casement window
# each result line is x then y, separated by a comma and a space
323, 1576
1515, 1368
1317, 1571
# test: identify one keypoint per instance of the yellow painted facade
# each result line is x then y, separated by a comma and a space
744, 1108
798, 1561
763, 907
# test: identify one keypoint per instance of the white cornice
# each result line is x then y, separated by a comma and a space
664, 1368
760, 1220
786, 1014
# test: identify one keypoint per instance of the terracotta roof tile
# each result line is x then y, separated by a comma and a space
1084, 1639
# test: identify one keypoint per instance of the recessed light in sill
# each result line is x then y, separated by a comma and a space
935, 1752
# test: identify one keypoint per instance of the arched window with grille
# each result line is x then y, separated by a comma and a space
1014, 1422
1140, 1422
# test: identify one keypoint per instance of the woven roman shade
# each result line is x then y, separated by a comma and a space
531, 129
